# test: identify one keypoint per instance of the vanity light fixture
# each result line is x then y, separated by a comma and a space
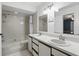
52, 20
56, 10
49, 6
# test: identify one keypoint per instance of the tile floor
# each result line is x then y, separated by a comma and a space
21, 53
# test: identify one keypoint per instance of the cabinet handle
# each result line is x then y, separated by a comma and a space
35, 43
35, 51
52, 55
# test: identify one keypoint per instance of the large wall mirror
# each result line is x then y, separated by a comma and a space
68, 24
43, 23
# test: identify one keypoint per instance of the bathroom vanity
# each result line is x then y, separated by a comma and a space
38, 48
41, 45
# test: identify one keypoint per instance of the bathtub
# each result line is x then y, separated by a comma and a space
11, 46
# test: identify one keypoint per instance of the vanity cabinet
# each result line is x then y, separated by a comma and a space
44, 50
38, 48
57, 52
34, 53
35, 47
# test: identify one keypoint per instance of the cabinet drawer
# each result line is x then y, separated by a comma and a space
34, 53
35, 41
35, 47
57, 53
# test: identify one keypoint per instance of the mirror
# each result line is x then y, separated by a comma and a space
43, 23
68, 24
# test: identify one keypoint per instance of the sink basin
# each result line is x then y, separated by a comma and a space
58, 41
37, 34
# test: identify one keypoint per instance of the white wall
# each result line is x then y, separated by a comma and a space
35, 25
0, 28
67, 10
13, 27
31, 24
51, 27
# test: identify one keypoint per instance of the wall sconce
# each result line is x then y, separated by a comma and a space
52, 20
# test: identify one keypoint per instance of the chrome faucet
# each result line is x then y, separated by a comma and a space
61, 37
39, 33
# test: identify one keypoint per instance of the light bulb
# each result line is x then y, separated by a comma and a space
21, 23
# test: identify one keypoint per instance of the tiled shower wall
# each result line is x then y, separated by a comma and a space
12, 28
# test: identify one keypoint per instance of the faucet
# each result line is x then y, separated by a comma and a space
39, 33
61, 37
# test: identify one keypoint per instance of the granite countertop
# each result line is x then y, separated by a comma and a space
72, 48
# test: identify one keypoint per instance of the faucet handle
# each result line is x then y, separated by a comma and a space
61, 37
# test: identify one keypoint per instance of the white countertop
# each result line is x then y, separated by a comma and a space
72, 48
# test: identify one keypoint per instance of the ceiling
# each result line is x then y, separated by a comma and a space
60, 5
28, 8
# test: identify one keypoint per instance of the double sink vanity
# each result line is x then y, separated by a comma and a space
45, 45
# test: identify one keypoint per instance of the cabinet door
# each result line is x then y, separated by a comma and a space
44, 50
30, 44
57, 53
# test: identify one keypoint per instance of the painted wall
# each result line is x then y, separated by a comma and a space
13, 28
30, 25
67, 10
35, 25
